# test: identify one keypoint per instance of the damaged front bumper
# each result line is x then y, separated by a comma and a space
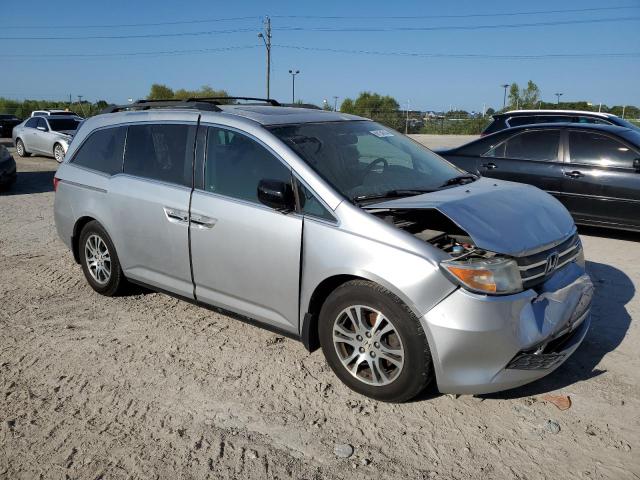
484, 344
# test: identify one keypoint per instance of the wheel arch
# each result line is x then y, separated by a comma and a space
75, 237
310, 319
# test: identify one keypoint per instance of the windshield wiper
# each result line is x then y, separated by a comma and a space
391, 194
460, 180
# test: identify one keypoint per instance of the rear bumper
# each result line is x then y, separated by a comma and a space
484, 344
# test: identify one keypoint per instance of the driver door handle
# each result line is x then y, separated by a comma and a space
489, 166
574, 174
202, 221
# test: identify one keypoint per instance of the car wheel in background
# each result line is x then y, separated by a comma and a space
21, 150
58, 153
99, 260
374, 343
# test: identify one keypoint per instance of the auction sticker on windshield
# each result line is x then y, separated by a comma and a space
381, 133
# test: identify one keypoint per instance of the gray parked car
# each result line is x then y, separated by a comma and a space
48, 136
332, 229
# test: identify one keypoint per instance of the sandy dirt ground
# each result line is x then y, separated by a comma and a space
146, 386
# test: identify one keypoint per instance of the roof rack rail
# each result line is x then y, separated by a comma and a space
215, 100
197, 104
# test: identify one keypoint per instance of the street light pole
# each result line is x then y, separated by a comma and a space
558, 95
293, 84
335, 103
504, 98
266, 38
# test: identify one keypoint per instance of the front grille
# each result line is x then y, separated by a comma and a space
533, 268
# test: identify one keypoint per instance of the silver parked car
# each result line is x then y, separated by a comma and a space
332, 229
49, 136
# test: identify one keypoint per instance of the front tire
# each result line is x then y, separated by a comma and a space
99, 260
58, 153
20, 148
374, 343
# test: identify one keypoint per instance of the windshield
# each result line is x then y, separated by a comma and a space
364, 159
60, 124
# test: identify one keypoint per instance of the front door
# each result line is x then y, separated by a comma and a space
600, 183
151, 199
529, 157
246, 256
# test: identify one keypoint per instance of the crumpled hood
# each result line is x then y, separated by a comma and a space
500, 216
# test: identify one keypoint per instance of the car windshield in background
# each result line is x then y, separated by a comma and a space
363, 159
63, 124
8, 117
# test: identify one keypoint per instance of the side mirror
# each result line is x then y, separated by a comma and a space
277, 195
636, 165
42, 129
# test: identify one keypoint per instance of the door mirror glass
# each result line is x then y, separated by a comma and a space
276, 194
43, 129
636, 165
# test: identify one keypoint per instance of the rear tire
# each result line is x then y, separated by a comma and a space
99, 260
20, 148
385, 354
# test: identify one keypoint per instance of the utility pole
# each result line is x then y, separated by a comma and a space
504, 98
335, 103
600, 107
406, 125
80, 102
623, 107
266, 38
558, 95
293, 84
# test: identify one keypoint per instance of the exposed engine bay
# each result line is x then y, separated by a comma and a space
431, 226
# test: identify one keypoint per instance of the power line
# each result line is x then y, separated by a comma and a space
464, 55
470, 15
119, 25
133, 54
455, 27
144, 35
336, 29
330, 50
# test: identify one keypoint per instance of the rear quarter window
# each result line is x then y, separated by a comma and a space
102, 151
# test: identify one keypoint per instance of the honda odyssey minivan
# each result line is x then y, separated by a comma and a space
332, 229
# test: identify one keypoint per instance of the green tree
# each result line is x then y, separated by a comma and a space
514, 96
383, 109
530, 95
160, 92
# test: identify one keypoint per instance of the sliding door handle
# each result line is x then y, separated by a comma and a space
202, 221
176, 215
489, 166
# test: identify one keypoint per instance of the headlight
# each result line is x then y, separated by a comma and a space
496, 276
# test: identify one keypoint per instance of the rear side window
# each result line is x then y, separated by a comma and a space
235, 164
102, 151
161, 152
538, 145
32, 122
595, 149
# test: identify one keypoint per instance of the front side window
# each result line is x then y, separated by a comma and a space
161, 152
538, 145
593, 148
363, 159
235, 164
102, 151
42, 124
310, 205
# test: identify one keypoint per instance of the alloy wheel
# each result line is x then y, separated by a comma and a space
98, 259
58, 153
20, 148
368, 345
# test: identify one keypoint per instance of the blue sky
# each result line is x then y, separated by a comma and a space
427, 82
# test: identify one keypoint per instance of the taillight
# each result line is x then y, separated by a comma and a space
56, 180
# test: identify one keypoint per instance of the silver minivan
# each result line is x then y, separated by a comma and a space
334, 230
